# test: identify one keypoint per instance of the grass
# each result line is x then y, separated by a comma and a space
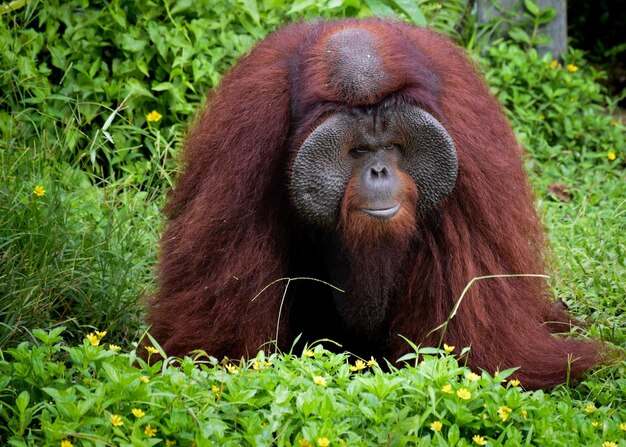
80, 257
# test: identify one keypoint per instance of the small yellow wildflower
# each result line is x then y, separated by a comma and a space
116, 420
447, 388
614, 123
514, 382
622, 426
436, 426
93, 339
524, 413
39, 191
305, 443
170, 442
66, 443
232, 369
371, 362
611, 155
590, 408
309, 353
572, 68
504, 412
144, 379
464, 393
152, 350
149, 431
358, 365
323, 442
154, 116
256, 365
609, 444
138, 413
319, 380
473, 377
555, 64
595, 424
114, 347
448, 348
101, 334
479, 440
216, 389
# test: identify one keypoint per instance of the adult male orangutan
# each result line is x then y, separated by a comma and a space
370, 155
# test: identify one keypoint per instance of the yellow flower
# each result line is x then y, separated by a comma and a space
39, 191
152, 350
590, 408
555, 64
216, 389
323, 442
622, 426
309, 353
371, 362
609, 444
611, 155
473, 377
101, 334
304, 443
479, 440
170, 442
504, 412
114, 347
153, 116
524, 413
447, 388
93, 339
614, 123
572, 68
66, 443
436, 426
232, 369
149, 431
448, 348
595, 424
464, 393
256, 365
514, 382
358, 365
116, 420
144, 379
138, 413
319, 380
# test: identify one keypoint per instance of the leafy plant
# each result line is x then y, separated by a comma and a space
94, 394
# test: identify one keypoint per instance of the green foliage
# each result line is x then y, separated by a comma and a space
69, 65
78, 252
91, 395
559, 110
77, 82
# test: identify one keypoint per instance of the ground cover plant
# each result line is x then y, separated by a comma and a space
94, 99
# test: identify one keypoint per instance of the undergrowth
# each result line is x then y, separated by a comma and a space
93, 104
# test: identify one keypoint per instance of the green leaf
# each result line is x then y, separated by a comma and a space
380, 9
410, 8
532, 7
22, 402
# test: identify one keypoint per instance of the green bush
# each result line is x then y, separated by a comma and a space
95, 395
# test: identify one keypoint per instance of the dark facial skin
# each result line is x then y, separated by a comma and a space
371, 147
374, 169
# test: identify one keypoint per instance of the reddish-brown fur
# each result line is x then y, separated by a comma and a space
232, 231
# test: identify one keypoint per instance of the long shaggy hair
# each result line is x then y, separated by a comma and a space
231, 229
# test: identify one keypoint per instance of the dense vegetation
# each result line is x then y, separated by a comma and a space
95, 97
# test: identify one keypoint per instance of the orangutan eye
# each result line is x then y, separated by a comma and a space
357, 152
